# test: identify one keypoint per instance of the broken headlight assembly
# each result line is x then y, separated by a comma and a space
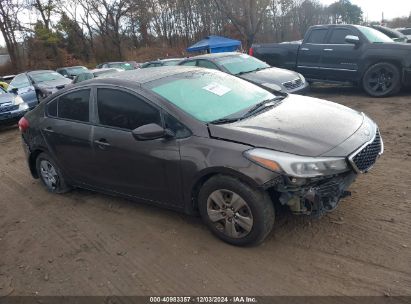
295, 165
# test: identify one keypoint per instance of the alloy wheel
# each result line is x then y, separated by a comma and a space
380, 80
49, 174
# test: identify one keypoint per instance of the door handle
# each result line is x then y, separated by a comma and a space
328, 50
304, 49
48, 129
102, 143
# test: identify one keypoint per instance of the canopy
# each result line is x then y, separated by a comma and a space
215, 44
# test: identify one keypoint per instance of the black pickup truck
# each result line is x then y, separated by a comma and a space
344, 53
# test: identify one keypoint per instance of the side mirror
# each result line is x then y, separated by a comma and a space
150, 132
14, 90
351, 39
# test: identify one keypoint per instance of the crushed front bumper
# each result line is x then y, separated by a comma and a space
315, 197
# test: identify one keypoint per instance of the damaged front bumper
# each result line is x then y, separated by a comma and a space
314, 196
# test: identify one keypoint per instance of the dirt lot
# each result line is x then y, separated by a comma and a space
84, 243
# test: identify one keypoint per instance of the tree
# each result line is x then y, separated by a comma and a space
345, 12
246, 16
9, 26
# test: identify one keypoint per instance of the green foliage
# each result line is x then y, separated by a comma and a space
343, 11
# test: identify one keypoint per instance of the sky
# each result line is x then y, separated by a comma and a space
372, 9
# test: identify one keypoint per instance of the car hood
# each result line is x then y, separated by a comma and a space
6, 98
270, 75
299, 125
53, 84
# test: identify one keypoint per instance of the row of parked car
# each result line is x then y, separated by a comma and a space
33, 86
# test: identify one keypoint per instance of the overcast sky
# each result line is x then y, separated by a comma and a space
372, 9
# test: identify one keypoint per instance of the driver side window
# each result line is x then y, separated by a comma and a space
123, 110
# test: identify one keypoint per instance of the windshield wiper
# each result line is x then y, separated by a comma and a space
268, 103
223, 120
255, 70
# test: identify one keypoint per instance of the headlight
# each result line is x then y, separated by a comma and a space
302, 77
18, 100
295, 165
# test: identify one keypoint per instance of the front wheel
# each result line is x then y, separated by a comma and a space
381, 80
50, 174
235, 212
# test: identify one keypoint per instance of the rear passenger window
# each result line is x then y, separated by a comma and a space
317, 36
123, 110
189, 63
52, 108
74, 106
338, 36
207, 64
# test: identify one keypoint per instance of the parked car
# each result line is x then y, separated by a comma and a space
161, 62
393, 34
95, 73
135, 64
252, 70
72, 72
12, 107
5, 80
198, 139
119, 65
406, 32
35, 85
344, 53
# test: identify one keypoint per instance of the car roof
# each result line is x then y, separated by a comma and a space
146, 75
74, 66
39, 72
215, 55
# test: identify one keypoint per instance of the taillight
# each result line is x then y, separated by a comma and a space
23, 124
251, 52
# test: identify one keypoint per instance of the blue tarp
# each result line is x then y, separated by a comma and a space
215, 44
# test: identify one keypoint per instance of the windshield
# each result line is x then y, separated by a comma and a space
210, 95
241, 64
77, 70
406, 31
171, 62
373, 35
121, 65
2, 91
45, 76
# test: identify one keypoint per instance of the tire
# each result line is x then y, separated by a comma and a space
221, 204
50, 174
382, 80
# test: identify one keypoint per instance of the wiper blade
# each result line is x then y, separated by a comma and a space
268, 103
223, 121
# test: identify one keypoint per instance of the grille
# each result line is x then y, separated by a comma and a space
7, 108
293, 84
366, 158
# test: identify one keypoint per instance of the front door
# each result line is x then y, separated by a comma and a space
340, 59
310, 53
145, 169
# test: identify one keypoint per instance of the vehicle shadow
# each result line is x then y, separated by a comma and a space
321, 89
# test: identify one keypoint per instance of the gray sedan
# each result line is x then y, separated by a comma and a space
252, 70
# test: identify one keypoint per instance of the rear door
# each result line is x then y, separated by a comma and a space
146, 169
340, 59
310, 53
67, 131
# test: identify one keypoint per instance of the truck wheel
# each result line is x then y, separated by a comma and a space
235, 212
381, 80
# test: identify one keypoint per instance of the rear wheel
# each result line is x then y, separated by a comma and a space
50, 174
382, 79
235, 212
